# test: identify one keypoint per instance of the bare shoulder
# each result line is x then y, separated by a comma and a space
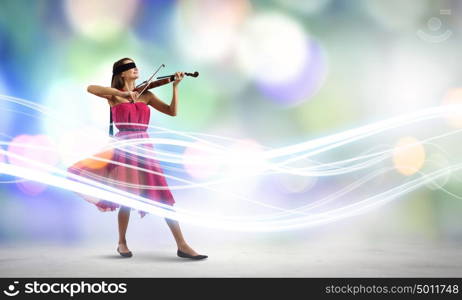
146, 97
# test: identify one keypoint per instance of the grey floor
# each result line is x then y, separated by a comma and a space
326, 259
384, 243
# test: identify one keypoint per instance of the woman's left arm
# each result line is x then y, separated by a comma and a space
163, 107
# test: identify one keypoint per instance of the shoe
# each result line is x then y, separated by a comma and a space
125, 254
186, 255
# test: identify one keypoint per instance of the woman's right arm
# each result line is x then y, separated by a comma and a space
104, 92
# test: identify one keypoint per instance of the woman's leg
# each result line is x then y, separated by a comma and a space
180, 242
123, 217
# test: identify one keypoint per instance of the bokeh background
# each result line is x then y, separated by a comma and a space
272, 73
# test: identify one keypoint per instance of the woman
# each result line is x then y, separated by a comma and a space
127, 106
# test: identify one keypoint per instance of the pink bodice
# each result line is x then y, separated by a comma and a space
136, 113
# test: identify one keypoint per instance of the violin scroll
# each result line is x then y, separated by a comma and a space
195, 74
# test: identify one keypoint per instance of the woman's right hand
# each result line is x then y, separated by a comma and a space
130, 95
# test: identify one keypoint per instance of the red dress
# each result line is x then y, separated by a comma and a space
123, 177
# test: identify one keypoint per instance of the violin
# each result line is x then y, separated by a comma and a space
149, 84
162, 80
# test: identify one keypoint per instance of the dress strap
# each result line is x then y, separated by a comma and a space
111, 126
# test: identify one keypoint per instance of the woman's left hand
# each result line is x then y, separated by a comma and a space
178, 77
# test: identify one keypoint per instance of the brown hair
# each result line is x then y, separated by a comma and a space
117, 80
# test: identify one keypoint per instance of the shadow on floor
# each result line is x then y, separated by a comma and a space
147, 257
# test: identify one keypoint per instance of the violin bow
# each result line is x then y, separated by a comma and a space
150, 79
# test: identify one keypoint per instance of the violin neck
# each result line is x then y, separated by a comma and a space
172, 77
160, 81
